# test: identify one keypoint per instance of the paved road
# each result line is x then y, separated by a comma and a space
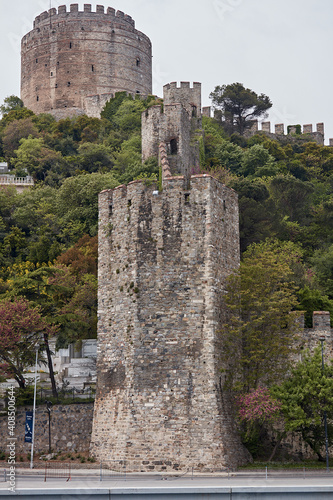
86, 485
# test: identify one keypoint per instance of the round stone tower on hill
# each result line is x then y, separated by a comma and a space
73, 62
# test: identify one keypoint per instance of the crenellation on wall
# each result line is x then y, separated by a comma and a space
321, 321
307, 129
309, 134
279, 128
266, 127
206, 111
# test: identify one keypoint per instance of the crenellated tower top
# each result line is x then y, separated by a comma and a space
74, 60
189, 97
87, 10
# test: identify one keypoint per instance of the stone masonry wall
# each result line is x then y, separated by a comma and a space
70, 428
177, 125
173, 124
163, 259
70, 56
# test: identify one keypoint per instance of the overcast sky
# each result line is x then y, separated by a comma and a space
282, 48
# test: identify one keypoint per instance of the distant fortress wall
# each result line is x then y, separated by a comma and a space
297, 130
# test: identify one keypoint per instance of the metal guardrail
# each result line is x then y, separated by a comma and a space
294, 472
71, 393
126, 471
57, 470
122, 469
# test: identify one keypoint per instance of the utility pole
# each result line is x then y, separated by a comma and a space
322, 340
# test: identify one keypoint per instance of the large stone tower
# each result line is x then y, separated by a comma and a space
73, 62
164, 256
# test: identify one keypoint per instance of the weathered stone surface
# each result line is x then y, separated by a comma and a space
73, 62
163, 260
70, 428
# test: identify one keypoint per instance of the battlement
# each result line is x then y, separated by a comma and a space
279, 130
51, 14
291, 129
183, 85
189, 97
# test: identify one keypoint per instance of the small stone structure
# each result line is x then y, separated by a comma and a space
164, 256
73, 62
19, 183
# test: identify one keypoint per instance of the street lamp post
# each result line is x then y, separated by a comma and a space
34, 412
322, 340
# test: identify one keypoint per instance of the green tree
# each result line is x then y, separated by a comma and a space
34, 157
239, 106
322, 263
292, 196
77, 204
257, 161
258, 335
81, 257
305, 396
94, 158
16, 114
128, 115
230, 156
14, 132
66, 301
257, 213
112, 106
11, 103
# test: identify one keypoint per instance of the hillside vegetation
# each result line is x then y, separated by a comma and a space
48, 234
285, 190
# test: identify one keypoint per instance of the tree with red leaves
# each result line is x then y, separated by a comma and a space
20, 328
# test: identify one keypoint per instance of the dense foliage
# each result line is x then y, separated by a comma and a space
48, 247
